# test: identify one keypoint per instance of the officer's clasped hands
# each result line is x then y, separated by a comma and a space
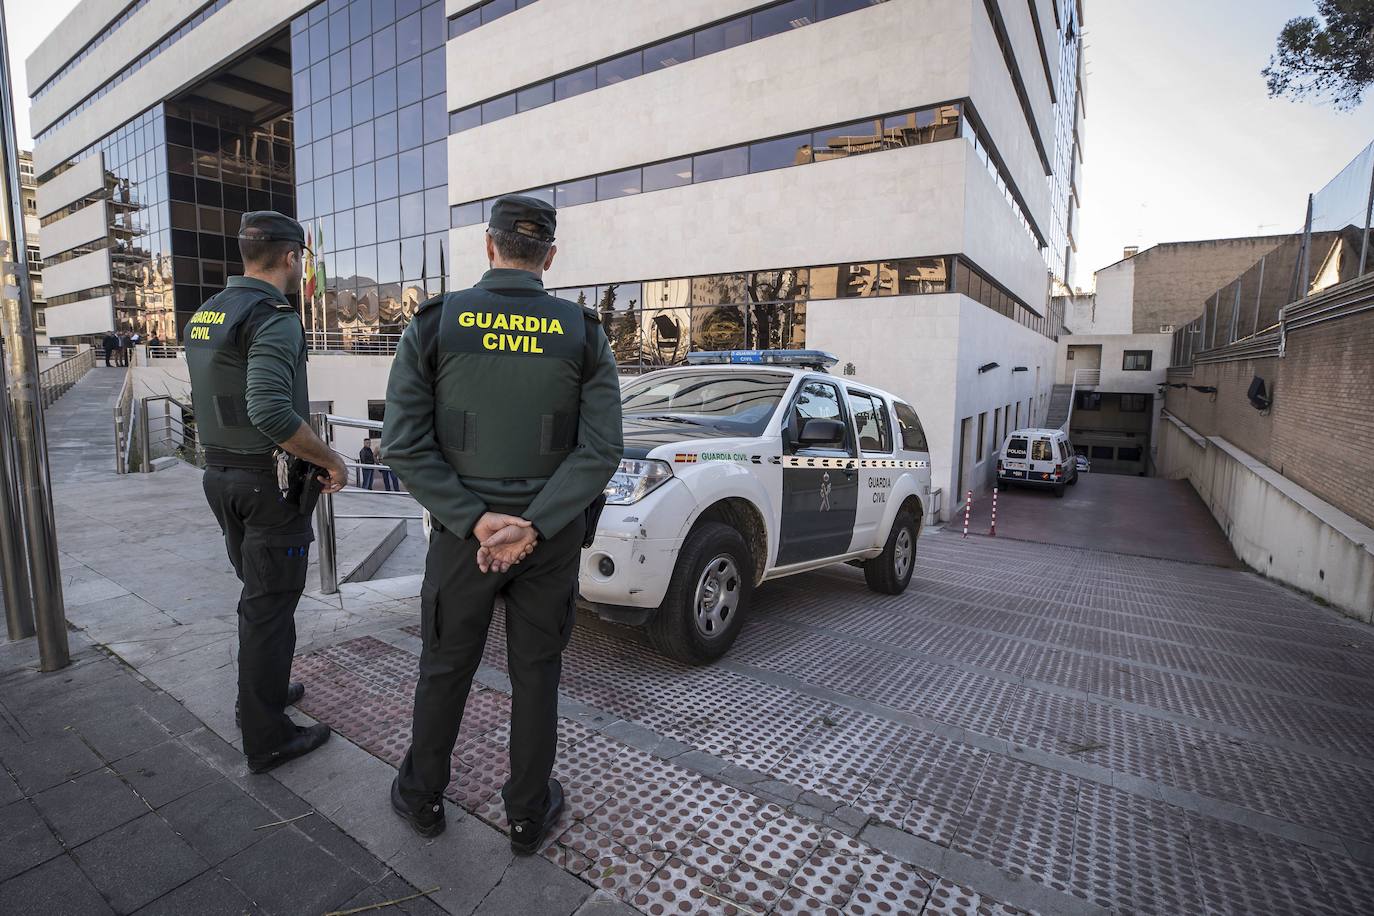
505, 541
335, 477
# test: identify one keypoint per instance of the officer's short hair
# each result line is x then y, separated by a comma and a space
263, 252
518, 247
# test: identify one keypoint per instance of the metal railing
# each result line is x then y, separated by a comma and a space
57, 380
368, 343
166, 352
124, 415
1087, 378
167, 425
325, 516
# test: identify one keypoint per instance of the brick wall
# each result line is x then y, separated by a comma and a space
1173, 280
1320, 431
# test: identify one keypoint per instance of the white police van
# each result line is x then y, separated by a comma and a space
745, 466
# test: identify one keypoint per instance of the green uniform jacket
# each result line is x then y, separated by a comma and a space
499, 364
245, 348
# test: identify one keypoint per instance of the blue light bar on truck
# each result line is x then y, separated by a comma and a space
799, 359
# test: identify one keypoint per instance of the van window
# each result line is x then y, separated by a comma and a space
1063, 450
1016, 448
913, 435
870, 417
1041, 451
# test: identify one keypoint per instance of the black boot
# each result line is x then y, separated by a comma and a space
525, 836
303, 742
428, 819
294, 691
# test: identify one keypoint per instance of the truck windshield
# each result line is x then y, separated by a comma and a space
739, 403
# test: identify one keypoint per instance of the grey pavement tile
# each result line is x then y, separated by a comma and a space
88, 806
138, 863
465, 862
56, 887
342, 847
46, 760
165, 772
364, 811
88, 590
287, 874
534, 886
9, 789
208, 894
218, 820
395, 888
603, 903
121, 729
27, 839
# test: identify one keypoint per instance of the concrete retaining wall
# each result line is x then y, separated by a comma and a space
1275, 526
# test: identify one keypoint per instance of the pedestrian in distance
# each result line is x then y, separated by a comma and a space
503, 420
265, 467
110, 344
123, 358
134, 340
366, 456
154, 343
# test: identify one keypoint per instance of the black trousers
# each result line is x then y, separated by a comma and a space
109, 351
455, 608
268, 540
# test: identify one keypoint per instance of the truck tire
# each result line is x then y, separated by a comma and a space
1059, 490
708, 596
890, 571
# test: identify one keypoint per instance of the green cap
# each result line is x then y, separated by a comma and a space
538, 216
271, 226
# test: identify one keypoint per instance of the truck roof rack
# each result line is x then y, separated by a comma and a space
796, 359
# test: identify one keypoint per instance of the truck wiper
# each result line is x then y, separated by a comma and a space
667, 418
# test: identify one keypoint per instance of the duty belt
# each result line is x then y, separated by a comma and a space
260, 461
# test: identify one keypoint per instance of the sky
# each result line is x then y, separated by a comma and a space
1181, 140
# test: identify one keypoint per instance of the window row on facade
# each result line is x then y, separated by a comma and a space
870, 135
115, 25
483, 13
760, 23
171, 38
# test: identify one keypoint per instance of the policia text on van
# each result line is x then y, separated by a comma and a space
245, 349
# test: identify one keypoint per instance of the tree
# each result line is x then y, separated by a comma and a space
1331, 54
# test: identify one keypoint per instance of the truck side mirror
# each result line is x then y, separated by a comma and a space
816, 431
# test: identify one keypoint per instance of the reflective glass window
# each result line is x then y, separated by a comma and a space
362, 102
669, 53
364, 183
435, 119
363, 147
321, 119
302, 125
410, 128
534, 97
365, 224
720, 37
384, 49
388, 177
341, 109
466, 214
618, 184
338, 33
496, 9
319, 82
436, 164
343, 190
625, 67
846, 140
343, 230
436, 209
432, 72
343, 149
360, 60
388, 227
780, 153
827, 9
497, 109
360, 19
871, 420
339, 71
565, 87
319, 42
432, 27
461, 25
408, 38
324, 158
575, 192
412, 169
384, 135
724, 164
466, 119
408, 86
784, 18
667, 174
412, 215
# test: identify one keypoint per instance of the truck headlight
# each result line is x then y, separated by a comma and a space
635, 479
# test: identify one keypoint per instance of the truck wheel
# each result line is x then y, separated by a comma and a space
1059, 490
890, 571
707, 598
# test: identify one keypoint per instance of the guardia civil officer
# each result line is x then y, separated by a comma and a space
503, 419
245, 348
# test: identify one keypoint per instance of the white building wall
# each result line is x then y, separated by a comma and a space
85, 225
86, 177
1115, 303
826, 73
86, 20
568, 34
995, 240
89, 316
901, 203
86, 272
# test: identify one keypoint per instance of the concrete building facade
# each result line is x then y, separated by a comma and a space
891, 180
28, 197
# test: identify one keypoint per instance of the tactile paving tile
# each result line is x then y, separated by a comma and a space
679, 888
888, 887
834, 870
1133, 854
1243, 873
1022, 818
950, 899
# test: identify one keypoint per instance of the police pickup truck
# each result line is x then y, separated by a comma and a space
745, 466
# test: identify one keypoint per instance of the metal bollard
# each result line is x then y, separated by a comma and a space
968, 507
992, 529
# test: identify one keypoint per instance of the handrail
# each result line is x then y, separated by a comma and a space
325, 518
123, 427
181, 441
57, 380
382, 343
